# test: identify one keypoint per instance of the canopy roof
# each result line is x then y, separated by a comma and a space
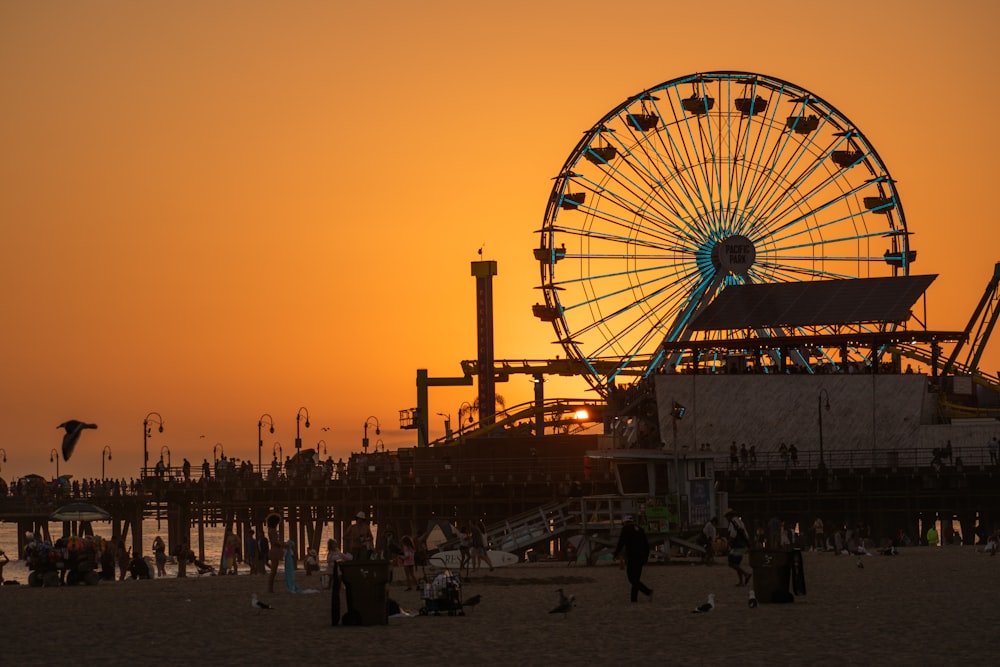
815, 303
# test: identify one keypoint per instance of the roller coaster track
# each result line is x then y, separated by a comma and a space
571, 414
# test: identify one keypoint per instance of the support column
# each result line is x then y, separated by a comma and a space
484, 272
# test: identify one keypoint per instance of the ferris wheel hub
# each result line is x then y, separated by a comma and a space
734, 254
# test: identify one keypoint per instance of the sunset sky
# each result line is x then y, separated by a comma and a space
218, 209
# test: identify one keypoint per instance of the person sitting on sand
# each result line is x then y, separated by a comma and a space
312, 562
203, 567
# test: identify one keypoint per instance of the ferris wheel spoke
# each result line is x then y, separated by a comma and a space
793, 172
781, 178
630, 323
632, 190
661, 170
628, 200
798, 224
817, 191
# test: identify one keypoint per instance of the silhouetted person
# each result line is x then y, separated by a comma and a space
635, 544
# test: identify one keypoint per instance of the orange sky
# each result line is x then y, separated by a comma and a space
214, 210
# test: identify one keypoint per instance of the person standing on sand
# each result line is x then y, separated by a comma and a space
635, 544
409, 562
819, 535
180, 554
160, 555
739, 542
290, 566
263, 547
358, 538
228, 564
276, 549
6, 560
334, 555
250, 551
709, 534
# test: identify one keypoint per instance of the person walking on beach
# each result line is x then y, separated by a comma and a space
739, 542
635, 544
464, 534
994, 448
480, 547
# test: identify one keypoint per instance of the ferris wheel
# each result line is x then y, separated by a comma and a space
702, 182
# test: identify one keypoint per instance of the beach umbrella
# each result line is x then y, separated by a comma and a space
80, 512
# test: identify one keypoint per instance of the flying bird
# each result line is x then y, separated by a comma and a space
73, 430
566, 603
257, 604
708, 606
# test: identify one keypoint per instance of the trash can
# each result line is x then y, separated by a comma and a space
365, 585
773, 571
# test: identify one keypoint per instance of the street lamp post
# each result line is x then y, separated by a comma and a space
221, 452
322, 443
105, 455
448, 433
276, 452
819, 411
260, 439
54, 456
4, 459
298, 437
155, 418
465, 408
167, 449
364, 439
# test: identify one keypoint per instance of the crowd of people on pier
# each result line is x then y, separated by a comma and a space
299, 469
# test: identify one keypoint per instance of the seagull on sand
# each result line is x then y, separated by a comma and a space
73, 430
708, 606
257, 604
473, 601
565, 605
752, 600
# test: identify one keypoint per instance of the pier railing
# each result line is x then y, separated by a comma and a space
557, 470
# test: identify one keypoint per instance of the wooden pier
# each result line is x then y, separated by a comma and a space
404, 490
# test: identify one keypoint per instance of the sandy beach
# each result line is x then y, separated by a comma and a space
923, 605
